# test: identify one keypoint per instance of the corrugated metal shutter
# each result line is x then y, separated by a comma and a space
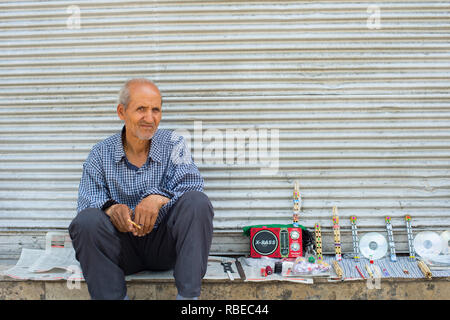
363, 114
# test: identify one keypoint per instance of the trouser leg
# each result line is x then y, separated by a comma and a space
183, 238
105, 254
182, 241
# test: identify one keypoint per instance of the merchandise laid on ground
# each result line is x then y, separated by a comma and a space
274, 256
347, 269
286, 252
296, 254
370, 259
59, 263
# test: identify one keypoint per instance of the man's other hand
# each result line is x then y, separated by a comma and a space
146, 212
119, 215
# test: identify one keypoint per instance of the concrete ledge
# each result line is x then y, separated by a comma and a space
391, 289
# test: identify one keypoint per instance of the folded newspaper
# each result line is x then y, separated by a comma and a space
56, 262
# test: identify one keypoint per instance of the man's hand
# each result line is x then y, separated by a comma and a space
119, 215
146, 212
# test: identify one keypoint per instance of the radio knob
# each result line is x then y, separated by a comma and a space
295, 235
295, 246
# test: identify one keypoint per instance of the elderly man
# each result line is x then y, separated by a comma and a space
140, 203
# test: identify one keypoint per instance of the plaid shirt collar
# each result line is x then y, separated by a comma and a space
155, 147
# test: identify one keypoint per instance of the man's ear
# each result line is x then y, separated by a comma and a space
121, 111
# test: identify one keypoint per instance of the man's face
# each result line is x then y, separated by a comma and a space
143, 113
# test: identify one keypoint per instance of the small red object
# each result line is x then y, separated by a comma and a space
269, 270
263, 272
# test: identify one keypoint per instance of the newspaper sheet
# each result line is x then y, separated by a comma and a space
56, 262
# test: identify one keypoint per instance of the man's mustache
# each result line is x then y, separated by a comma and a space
146, 124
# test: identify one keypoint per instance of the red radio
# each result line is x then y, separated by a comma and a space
276, 242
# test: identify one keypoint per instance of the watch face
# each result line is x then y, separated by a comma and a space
294, 235
295, 246
265, 242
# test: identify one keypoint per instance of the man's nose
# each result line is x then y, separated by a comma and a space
148, 116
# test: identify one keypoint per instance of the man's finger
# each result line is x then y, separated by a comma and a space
134, 226
121, 218
139, 219
147, 224
129, 222
117, 222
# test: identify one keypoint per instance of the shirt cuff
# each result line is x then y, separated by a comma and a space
108, 204
156, 191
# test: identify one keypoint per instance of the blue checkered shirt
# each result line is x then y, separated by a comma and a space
169, 171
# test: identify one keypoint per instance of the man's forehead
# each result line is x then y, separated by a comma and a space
144, 93
143, 88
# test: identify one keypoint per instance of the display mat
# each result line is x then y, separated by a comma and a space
394, 269
387, 268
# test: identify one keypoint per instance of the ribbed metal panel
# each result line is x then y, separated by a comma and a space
363, 114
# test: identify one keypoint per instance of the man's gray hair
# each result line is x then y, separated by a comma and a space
124, 93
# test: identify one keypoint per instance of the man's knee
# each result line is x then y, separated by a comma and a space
200, 204
192, 206
87, 221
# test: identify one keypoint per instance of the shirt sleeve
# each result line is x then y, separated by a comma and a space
92, 191
182, 176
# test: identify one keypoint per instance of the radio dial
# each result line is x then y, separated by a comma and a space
295, 246
294, 235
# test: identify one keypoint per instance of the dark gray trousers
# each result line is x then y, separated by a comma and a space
181, 242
